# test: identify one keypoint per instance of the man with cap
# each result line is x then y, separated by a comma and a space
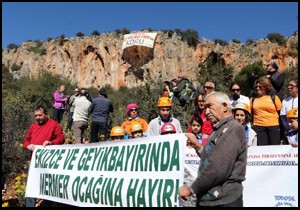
100, 109
277, 79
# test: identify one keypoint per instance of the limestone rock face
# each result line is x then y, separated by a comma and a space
100, 60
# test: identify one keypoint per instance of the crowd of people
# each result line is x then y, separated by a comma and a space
220, 130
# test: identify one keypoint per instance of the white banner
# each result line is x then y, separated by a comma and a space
140, 38
130, 173
271, 176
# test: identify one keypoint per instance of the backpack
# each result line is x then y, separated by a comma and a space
186, 91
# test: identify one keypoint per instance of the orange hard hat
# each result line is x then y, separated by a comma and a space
164, 101
292, 113
242, 106
117, 131
135, 126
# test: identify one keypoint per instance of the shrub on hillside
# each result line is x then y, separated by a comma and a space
80, 34
168, 32
277, 38
236, 41
17, 116
19, 100
215, 70
221, 42
95, 33
248, 75
249, 41
61, 39
12, 46
122, 31
15, 67
191, 37
291, 74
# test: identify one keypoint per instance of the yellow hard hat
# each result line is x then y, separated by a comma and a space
135, 126
293, 113
164, 101
117, 131
242, 106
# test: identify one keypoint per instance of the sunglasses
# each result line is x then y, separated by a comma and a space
133, 110
76, 90
208, 87
258, 86
291, 85
233, 90
201, 101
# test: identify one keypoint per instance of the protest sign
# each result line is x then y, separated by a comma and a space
131, 173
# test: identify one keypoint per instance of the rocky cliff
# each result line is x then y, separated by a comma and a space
99, 60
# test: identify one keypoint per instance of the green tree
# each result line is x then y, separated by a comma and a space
61, 39
277, 38
236, 41
95, 33
247, 76
15, 67
221, 42
80, 34
191, 37
122, 31
12, 46
249, 41
215, 70
291, 74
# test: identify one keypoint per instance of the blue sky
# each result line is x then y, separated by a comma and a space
228, 20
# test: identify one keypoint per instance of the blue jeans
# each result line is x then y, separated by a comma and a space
30, 202
58, 114
70, 121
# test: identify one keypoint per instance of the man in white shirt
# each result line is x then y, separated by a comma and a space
80, 116
164, 105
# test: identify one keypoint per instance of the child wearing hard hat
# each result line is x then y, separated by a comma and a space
292, 117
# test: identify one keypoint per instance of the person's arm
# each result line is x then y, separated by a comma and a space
294, 144
194, 143
72, 98
144, 124
58, 136
185, 191
91, 108
151, 127
57, 97
111, 108
285, 123
27, 140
